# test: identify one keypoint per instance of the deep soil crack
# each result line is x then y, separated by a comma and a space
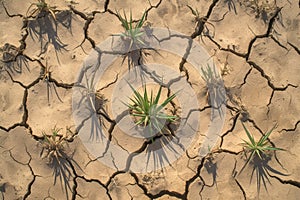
294, 47
241, 188
291, 129
290, 182
267, 34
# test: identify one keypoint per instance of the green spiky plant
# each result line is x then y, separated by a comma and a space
132, 32
148, 111
40, 6
260, 147
259, 157
135, 46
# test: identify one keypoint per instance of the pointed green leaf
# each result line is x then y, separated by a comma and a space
141, 21
250, 136
145, 99
249, 145
168, 100
157, 96
273, 148
266, 136
130, 22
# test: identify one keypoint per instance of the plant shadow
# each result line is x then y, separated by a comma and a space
13, 58
62, 170
135, 54
163, 148
44, 29
2, 190
216, 93
231, 5
136, 59
261, 170
51, 84
62, 165
158, 151
211, 168
93, 104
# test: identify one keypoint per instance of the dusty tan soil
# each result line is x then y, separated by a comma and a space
255, 45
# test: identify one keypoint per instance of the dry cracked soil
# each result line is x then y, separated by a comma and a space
255, 45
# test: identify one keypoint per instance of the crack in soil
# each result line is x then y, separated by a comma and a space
267, 34
32, 173
241, 188
264, 75
235, 119
243, 55
290, 182
88, 20
291, 129
160, 194
191, 180
278, 43
198, 31
294, 47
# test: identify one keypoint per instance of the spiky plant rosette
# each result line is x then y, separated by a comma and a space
132, 32
258, 148
149, 112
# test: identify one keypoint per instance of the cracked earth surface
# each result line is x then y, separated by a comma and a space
256, 45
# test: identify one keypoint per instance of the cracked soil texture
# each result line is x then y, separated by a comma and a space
255, 45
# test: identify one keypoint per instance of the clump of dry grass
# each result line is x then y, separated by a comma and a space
35, 9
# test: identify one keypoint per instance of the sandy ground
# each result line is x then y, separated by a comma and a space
256, 45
